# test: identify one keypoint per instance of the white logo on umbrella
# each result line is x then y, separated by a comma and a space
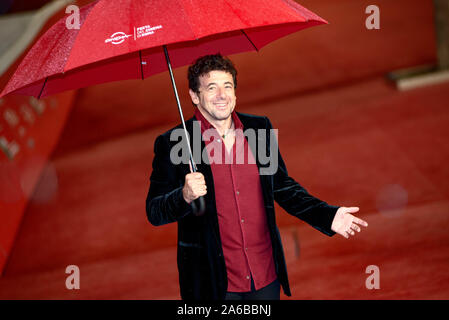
146, 30
118, 38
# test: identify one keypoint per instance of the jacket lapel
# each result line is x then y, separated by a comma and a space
262, 145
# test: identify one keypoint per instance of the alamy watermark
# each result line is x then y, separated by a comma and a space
372, 281
373, 20
261, 143
73, 20
73, 280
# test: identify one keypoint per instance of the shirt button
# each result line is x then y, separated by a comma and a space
218, 140
247, 277
238, 192
246, 249
243, 220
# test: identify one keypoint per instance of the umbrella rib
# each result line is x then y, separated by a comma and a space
244, 33
249, 40
42, 89
141, 67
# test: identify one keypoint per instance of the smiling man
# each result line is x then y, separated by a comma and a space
234, 250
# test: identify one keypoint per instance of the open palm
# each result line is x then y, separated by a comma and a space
345, 224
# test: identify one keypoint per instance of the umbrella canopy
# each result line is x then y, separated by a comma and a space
125, 39
134, 39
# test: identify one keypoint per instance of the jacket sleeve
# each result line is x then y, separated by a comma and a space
165, 203
295, 199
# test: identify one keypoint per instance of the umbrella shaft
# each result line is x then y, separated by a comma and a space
167, 58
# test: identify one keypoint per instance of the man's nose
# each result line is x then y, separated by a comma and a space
221, 93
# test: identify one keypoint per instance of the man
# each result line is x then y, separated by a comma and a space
233, 250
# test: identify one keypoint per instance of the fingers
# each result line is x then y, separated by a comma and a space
194, 186
195, 176
355, 220
352, 209
355, 227
195, 179
360, 221
200, 189
348, 233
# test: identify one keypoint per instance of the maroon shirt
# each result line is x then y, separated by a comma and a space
240, 207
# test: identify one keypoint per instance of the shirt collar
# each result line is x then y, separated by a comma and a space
205, 124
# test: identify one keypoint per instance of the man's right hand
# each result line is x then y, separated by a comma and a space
194, 186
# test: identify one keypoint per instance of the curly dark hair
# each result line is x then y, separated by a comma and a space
205, 64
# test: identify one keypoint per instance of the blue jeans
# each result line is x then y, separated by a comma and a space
270, 292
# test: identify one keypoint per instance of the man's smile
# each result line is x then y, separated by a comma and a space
221, 106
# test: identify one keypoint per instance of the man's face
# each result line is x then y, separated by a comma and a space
216, 98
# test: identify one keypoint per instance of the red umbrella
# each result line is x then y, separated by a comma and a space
134, 39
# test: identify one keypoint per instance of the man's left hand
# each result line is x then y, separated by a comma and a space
345, 224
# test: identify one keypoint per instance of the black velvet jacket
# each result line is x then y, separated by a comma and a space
201, 265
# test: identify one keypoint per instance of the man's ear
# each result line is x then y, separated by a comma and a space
194, 97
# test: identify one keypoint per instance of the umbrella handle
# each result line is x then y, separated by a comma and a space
198, 206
